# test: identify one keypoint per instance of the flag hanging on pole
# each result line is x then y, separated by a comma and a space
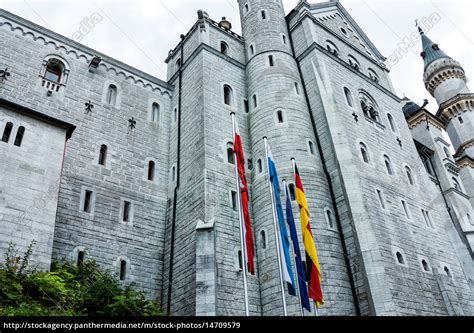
312, 262
244, 196
284, 243
303, 289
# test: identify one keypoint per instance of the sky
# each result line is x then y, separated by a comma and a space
141, 32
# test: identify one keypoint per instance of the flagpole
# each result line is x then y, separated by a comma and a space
316, 312
297, 284
243, 248
275, 226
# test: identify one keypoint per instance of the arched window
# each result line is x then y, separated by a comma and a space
447, 153
400, 258
364, 153
456, 185
19, 136
368, 106
151, 170
264, 14
54, 70
103, 155
271, 63
263, 240
252, 50
425, 265
155, 112
228, 98
80, 258
348, 95
259, 166
291, 189
391, 122
246, 8
279, 115
254, 100
230, 153
123, 270
311, 147
388, 165
331, 47
373, 76
329, 218
409, 175
224, 48
7, 132
111, 97
447, 271
353, 62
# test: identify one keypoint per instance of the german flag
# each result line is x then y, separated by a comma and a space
312, 262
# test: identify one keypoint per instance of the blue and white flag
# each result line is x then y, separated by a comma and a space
285, 257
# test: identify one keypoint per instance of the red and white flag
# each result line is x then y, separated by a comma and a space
244, 195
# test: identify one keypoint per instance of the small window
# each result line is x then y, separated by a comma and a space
280, 117
151, 171
263, 240
364, 152
373, 76
19, 136
264, 14
344, 32
348, 95
259, 166
252, 50
54, 70
447, 271
425, 265
283, 39
427, 218
291, 189
80, 258
330, 219
447, 153
224, 48
353, 62
178, 63
400, 258
270, 61
240, 261
469, 219
123, 270
388, 165
228, 95
456, 185
405, 209
254, 100
7, 132
230, 153
127, 207
155, 112
332, 48
111, 97
246, 106
409, 175
246, 8
87, 201
391, 122
103, 155
173, 173
381, 199
233, 198
297, 88
461, 121
311, 147
175, 115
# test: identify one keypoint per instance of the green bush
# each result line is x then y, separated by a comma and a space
67, 290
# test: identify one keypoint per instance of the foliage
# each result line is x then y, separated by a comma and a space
67, 290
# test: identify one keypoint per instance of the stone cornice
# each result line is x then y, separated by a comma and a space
465, 162
455, 106
463, 147
423, 116
71, 48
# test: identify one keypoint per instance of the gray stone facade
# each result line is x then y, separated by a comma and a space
177, 230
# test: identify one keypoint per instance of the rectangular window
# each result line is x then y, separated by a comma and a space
405, 209
234, 200
127, 205
381, 200
246, 105
254, 100
427, 218
87, 201
270, 61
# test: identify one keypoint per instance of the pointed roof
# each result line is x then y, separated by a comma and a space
431, 51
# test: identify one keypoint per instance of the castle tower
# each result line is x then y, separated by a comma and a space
278, 110
445, 79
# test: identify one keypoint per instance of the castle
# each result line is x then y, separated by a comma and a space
102, 161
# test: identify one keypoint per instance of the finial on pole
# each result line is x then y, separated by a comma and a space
419, 28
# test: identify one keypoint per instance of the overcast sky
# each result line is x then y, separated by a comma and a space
140, 33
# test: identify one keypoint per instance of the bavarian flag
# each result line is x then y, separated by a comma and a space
312, 262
